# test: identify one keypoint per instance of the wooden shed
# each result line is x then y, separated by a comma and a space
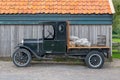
21, 19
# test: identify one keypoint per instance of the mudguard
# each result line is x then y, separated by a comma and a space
25, 47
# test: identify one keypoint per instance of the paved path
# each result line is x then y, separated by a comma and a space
43, 71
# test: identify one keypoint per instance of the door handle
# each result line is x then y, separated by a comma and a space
52, 45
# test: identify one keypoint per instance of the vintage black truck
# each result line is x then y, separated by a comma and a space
56, 41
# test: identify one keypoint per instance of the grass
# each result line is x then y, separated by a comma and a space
116, 40
116, 53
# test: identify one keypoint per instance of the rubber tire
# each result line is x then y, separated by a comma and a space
25, 51
94, 53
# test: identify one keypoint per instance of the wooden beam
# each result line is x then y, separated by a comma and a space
92, 47
68, 34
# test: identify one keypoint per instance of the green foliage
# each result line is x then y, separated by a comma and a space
117, 6
115, 49
116, 17
116, 28
115, 36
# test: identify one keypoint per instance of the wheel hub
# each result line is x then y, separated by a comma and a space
95, 60
21, 58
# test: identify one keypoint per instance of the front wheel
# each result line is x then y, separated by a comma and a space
21, 57
94, 60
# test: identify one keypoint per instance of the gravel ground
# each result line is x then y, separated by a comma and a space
45, 71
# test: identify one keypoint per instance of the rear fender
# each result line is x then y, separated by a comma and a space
102, 51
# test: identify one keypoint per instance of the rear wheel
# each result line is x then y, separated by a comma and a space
21, 57
94, 60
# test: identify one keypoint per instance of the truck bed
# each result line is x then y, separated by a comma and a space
91, 47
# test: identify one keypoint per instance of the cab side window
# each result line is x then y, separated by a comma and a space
48, 32
61, 28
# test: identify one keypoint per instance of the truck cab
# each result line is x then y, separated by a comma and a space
53, 41
56, 41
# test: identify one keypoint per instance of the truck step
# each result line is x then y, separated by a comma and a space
76, 57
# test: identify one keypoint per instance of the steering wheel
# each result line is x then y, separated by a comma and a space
50, 34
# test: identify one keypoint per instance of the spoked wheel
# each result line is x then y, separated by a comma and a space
94, 60
21, 57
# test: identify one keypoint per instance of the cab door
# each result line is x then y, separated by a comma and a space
48, 38
55, 38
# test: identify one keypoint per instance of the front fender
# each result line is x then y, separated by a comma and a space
22, 46
25, 47
18, 46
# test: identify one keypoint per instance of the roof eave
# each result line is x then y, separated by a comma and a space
111, 6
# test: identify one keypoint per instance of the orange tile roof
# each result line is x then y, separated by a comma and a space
55, 6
